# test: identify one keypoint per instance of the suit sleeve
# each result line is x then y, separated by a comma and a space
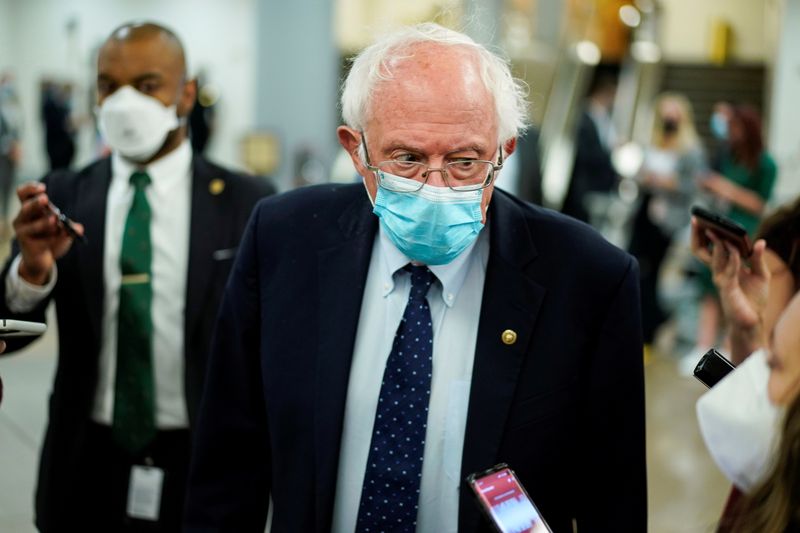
38, 312
612, 449
229, 480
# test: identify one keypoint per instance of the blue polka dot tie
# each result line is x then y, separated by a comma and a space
390, 495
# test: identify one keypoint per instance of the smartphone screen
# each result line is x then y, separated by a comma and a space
504, 499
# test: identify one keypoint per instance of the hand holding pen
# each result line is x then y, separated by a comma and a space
44, 233
68, 225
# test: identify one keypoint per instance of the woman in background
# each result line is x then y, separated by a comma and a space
672, 166
740, 191
761, 301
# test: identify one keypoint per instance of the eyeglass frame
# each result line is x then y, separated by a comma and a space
442, 170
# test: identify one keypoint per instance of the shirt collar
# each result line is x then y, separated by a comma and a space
163, 172
451, 275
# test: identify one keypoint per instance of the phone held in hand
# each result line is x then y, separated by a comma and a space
20, 328
712, 367
504, 501
724, 228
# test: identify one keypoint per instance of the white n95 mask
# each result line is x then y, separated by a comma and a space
739, 424
134, 124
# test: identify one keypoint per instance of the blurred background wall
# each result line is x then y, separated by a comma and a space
56, 39
275, 66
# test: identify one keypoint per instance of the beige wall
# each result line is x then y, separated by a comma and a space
686, 28
358, 22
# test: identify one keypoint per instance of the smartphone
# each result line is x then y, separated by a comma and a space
20, 328
712, 367
724, 228
504, 501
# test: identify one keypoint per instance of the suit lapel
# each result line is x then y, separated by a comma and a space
90, 210
342, 276
511, 301
206, 227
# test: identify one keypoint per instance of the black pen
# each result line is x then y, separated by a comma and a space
66, 223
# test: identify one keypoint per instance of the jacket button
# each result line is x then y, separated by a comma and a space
509, 337
216, 186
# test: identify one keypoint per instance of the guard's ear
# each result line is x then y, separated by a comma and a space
188, 98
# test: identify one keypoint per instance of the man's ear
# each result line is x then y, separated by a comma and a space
188, 98
350, 140
509, 147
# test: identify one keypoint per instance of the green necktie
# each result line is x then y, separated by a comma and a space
134, 425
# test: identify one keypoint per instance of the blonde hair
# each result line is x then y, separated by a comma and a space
686, 137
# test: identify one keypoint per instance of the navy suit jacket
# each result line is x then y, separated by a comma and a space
563, 406
217, 221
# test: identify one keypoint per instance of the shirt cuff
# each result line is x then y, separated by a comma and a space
23, 297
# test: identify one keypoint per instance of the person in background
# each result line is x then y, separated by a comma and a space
135, 302
674, 163
755, 442
740, 191
592, 171
10, 148
380, 341
719, 127
58, 126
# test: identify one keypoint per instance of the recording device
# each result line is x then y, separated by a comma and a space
20, 328
504, 501
67, 223
724, 228
712, 367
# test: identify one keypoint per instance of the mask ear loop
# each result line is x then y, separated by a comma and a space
361, 153
369, 196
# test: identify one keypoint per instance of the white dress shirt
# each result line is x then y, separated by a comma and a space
455, 304
169, 196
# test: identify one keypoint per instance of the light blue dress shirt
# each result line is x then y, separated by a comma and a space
455, 303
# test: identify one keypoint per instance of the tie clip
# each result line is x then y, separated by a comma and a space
135, 279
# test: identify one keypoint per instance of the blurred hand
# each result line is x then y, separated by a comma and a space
15, 153
41, 238
719, 185
743, 289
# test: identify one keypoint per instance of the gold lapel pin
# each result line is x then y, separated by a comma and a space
216, 186
509, 337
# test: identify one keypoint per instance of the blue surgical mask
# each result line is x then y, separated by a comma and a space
432, 225
719, 126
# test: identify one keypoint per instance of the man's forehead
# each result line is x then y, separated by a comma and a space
152, 51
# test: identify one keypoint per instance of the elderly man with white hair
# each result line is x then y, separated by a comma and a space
379, 343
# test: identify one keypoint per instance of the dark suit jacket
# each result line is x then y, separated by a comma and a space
217, 223
591, 172
563, 406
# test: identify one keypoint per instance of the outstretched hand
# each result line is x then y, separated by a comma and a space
41, 238
743, 288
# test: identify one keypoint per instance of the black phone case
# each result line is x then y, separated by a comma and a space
712, 367
725, 228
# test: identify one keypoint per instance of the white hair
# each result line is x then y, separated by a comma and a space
372, 66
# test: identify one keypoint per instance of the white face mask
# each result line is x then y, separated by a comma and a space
134, 124
740, 426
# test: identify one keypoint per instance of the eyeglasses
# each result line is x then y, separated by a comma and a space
462, 175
